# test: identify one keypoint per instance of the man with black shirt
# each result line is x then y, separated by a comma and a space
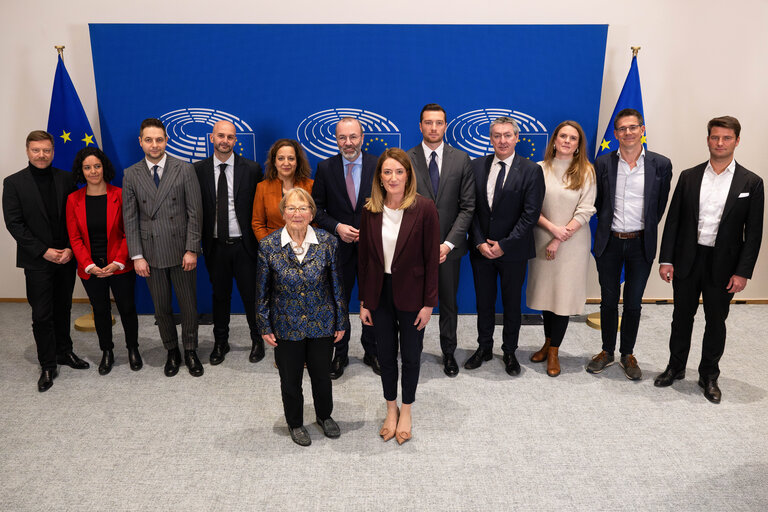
34, 205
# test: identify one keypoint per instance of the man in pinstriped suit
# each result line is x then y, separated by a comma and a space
162, 212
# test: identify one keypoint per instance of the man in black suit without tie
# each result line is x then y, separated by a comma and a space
709, 248
229, 245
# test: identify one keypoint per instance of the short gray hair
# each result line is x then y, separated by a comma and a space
303, 194
505, 120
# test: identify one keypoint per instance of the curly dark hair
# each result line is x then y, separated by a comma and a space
303, 170
77, 166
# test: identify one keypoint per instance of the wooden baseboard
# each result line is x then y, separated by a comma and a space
670, 301
17, 299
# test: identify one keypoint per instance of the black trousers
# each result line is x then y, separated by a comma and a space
185, 285
717, 303
290, 357
392, 328
122, 286
367, 338
512, 275
554, 327
225, 262
448, 286
49, 293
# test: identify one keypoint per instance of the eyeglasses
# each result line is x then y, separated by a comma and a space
631, 128
290, 210
352, 138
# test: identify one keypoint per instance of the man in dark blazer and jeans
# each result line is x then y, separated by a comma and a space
632, 192
227, 185
34, 206
709, 248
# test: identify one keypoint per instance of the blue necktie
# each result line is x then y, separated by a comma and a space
434, 172
156, 176
499, 183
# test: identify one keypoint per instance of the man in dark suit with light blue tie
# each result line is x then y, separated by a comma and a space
342, 185
632, 191
162, 213
444, 175
509, 191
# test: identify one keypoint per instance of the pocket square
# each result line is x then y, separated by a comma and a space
743, 194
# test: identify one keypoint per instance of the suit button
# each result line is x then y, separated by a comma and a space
170, 218
153, 217
173, 199
303, 317
144, 201
302, 294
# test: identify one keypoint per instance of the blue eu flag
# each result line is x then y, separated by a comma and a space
630, 97
67, 121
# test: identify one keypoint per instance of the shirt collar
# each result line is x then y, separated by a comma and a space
160, 164
641, 158
310, 238
357, 161
507, 161
428, 151
729, 169
229, 161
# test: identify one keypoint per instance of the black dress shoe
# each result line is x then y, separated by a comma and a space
330, 428
667, 377
257, 351
337, 366
511, 365
373, 362
711, 390
172, 363
193, 363
220, 349
45, 381
71, 360
450, 366
107, 360
476, 359
300, 436
134, 358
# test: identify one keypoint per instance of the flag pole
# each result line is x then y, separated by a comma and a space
60, 49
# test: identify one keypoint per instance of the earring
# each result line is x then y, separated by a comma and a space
575, 153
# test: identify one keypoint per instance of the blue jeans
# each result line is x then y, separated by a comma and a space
628, 254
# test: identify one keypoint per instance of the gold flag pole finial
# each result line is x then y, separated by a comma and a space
635, 49
60, 49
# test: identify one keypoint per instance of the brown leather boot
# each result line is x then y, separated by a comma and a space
553, 362
541, 355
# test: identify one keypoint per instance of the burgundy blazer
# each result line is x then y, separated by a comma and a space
416, 260
77, 226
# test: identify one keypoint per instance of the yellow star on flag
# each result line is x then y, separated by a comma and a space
88, 140
643, 139
65, 135
605, 144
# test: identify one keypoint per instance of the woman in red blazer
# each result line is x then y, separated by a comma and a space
287, 167
399, 254
97, 236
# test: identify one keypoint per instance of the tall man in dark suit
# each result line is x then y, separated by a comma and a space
161, 212
342, 185
34, 206
509, 191
227, 185
444, 175
709, 248
632, 191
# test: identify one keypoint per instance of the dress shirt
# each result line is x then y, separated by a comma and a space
490, 187
390, 228
357, 171
630, 196
309, 238
428, 155
160, 167
714, 192
234, 227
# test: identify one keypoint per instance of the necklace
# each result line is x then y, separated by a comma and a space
297, 248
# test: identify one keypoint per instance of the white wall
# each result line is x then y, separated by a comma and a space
699, 59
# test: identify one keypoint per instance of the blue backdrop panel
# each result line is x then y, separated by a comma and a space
296, 81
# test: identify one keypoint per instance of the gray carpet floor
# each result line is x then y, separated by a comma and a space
481, 441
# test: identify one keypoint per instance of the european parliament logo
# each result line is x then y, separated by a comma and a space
470, 132
317, 132
189, 129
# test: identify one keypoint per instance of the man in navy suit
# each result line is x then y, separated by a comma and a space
709, 248
227, 185
342, 185
509, 191
632, 191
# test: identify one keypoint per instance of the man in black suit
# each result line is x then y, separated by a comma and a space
229, 245
342, 185
709, 248
444, 175
34, 206
632, 192
509, 191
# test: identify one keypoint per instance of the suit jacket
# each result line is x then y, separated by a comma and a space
77, 225
416, 260
455, 198
512, 217
658, 174
247, 174
330, 194
266, 206
26, 217
738, 235
300, 300
162, 223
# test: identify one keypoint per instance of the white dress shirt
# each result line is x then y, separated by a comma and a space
229, 172
390, 228
490, 187
439, 158
630, 196
160, 167
714, 192
309, 238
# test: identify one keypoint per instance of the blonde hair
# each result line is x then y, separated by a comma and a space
580, 171
375, 203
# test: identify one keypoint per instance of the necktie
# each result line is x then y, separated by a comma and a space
434, 172
156, 176
499, 183
351, 186
222, 205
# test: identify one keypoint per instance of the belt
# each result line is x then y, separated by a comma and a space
229, 241
627, 236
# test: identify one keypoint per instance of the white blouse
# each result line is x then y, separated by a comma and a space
390, 228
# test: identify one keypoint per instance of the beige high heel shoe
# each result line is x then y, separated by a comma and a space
388, 433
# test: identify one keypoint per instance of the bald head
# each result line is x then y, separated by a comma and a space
223, 139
